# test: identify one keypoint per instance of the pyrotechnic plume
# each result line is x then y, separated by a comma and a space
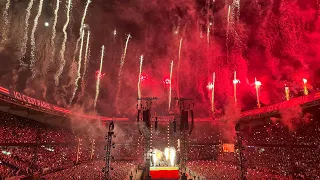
123, 58
4, 32
257, 85
85, 63
79, 68
26, 30
98, 79
63, 46
166, 153
53, 47
170, 86
172, 156
305, 89
33, 40
139, 80
82, 26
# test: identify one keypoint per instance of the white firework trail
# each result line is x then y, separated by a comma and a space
237, 5
212, 92
54, 31
170, 87
33, 40
123, 58
6, 23
82, 25
63, 47
26, 30
139, 80
79, 68
98, 79
85, 63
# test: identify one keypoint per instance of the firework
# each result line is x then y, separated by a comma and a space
257, 84
178, 67
237, 5
139, 80
305, 89
54, 30
33, 41
287, 92
86, 57
123, 58
6, 24
235, 82
212, 92
26, 30
82, 26
170, 85
98, 79
79, 68
63, 46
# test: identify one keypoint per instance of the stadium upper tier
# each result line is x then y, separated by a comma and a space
25, 101
22, 100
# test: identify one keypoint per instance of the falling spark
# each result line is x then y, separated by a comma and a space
63, 48
54, 30
237, 4
229, 10
79, 68
85, 64
26, 30
33, 41
6, 23
98, 79
139, 80
170, 86
82, 25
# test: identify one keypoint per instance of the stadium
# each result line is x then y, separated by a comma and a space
163, 89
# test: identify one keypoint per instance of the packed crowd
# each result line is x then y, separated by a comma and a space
14, 129
121, 170
220, 170
294, 152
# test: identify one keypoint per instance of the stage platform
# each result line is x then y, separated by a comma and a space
164, 172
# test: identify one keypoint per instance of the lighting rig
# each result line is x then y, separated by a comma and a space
240, 149
108, 148
186, 110
145, 128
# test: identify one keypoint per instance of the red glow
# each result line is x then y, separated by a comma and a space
99, 75
168, 174
167, 81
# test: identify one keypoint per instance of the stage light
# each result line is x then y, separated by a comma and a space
46, 24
